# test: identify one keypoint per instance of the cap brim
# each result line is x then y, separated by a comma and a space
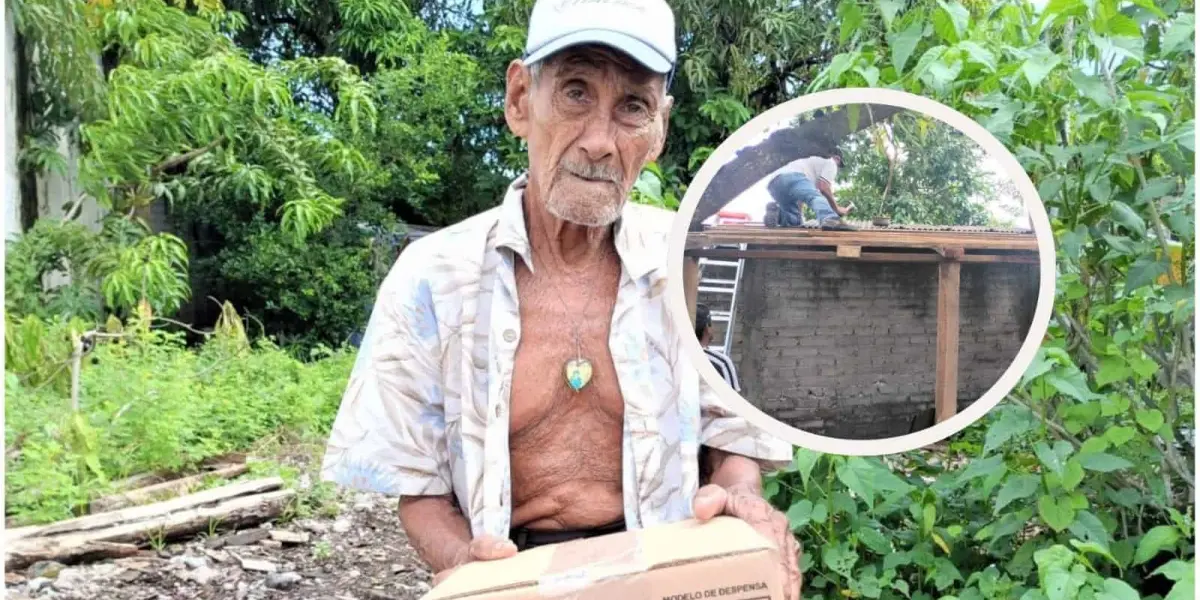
635, 48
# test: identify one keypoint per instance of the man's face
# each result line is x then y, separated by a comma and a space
592, 120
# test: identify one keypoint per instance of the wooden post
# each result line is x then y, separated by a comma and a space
946, 378
691, 285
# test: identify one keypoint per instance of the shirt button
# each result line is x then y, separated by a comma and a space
499, 410
510, 336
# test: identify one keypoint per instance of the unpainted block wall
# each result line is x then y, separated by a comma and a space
848, 349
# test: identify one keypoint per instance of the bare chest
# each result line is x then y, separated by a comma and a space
564, 321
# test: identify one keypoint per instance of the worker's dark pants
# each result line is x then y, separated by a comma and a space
790, 191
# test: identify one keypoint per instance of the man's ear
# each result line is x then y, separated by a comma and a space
661, 143
518, 84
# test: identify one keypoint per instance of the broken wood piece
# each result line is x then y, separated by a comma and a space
163, 490
254, 564
849, 251
87, 551
236, 512
149, 511
289, 537
241, 538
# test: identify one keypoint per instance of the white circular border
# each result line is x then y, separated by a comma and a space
940, 431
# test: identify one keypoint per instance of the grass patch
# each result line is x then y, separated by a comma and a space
149, 403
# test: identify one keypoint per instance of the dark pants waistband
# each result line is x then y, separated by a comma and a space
532, 538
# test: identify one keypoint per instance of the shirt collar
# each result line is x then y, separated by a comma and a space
513, 235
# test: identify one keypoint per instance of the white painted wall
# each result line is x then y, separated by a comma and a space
11, 177
55, 193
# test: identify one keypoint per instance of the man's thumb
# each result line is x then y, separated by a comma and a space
492, 548
709, 502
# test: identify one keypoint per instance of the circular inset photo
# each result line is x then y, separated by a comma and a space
866, 271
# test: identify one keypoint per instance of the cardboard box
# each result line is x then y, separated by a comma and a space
723, 559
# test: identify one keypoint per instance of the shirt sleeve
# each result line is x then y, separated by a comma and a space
722, 429
389, 435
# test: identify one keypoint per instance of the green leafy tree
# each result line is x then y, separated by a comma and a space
1081, 484
916, 169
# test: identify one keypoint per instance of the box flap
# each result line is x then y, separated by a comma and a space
577, 563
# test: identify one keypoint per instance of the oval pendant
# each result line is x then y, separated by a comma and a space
579, 373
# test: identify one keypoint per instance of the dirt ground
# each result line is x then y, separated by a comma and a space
361, 554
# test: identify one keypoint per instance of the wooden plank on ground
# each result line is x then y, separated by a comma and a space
946, 375
166, 489
73, 546
849, 251
149, 511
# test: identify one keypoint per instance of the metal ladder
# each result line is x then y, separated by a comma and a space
716, 279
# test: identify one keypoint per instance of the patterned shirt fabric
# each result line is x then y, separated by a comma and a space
426, 411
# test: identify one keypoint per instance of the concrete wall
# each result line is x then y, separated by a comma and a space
848, 349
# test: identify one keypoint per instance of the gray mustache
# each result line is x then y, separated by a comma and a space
593, 171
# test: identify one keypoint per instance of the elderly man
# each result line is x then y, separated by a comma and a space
520, 382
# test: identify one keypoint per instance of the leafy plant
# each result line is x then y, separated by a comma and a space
1081, 487
147, 403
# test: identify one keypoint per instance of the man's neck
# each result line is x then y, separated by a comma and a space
563, 246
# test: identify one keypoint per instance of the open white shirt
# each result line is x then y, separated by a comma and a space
426, 408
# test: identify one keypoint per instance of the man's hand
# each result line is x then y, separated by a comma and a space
480, 548
745, 503
845, 210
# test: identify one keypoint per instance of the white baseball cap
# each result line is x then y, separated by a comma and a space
643, 29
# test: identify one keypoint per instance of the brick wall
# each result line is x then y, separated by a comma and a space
847, 349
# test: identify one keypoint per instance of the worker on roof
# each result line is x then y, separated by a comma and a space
806, 181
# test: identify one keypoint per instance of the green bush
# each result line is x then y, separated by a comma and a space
1024, 516
148, 403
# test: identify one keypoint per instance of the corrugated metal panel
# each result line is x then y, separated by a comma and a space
868, 226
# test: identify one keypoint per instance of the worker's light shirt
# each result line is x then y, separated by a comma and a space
426, 411
815, 168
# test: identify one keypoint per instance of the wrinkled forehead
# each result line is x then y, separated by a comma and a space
596, 59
